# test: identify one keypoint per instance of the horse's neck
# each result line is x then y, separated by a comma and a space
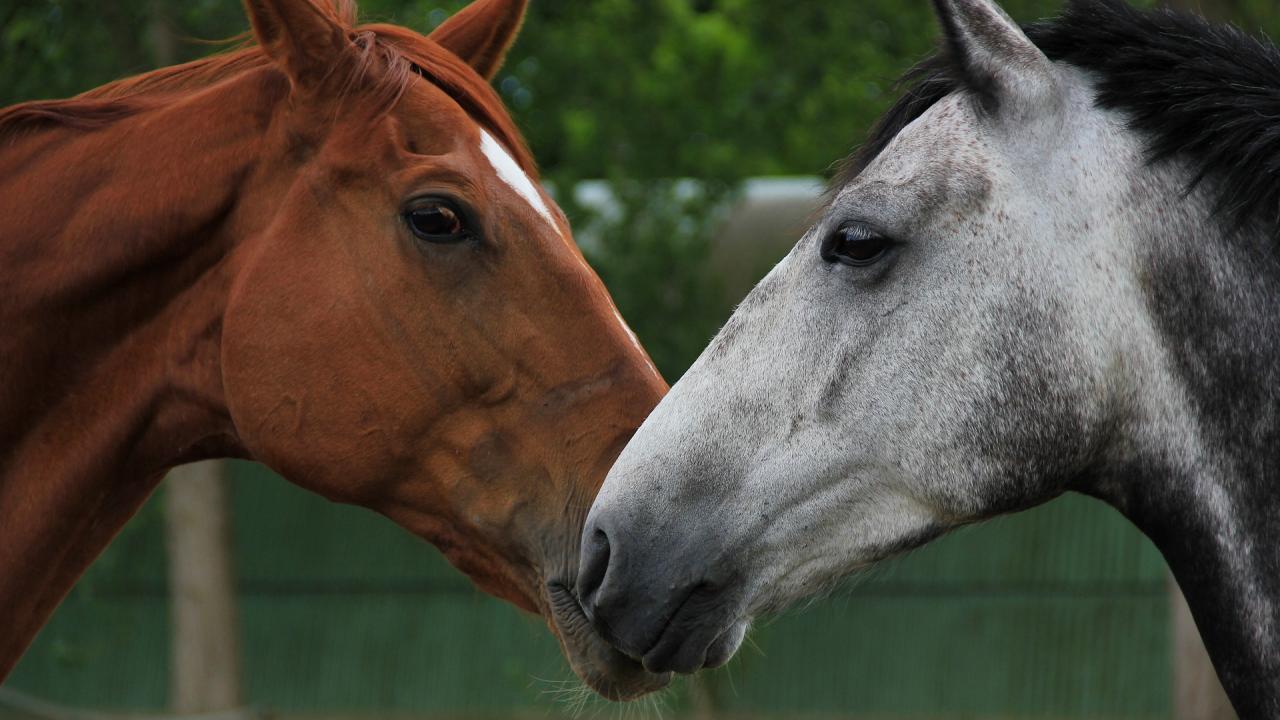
1222, 544
1222, 549
1208, 494
114, 262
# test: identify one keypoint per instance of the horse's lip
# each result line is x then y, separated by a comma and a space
600, 665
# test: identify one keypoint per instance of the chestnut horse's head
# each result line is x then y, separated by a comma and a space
411, 327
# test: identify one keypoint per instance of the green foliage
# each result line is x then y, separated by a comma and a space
643, 92
638, 92
652, 254
57, 48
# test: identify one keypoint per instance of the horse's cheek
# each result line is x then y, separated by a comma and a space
304, 397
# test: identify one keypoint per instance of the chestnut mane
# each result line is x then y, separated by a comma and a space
390, 58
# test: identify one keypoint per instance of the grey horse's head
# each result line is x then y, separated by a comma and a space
964, 332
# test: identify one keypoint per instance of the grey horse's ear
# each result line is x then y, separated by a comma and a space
1000, 63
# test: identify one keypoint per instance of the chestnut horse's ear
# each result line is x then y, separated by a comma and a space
304, 41
482, 32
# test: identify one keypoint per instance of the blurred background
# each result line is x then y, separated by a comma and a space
688, 140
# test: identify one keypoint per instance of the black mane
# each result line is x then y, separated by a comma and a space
1204, 92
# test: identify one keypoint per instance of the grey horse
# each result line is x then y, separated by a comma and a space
1052, 268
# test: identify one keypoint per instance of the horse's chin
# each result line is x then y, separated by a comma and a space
605, 670
726, 644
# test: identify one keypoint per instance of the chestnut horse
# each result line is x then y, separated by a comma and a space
328, 253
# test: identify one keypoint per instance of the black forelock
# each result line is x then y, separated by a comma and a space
1203, 92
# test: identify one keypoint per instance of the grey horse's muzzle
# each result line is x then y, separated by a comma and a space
662, 599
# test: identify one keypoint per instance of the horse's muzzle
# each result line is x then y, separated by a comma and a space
668, 611
601, 666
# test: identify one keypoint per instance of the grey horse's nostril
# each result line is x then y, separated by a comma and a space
594, 566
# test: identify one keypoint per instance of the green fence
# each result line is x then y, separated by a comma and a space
1059, 612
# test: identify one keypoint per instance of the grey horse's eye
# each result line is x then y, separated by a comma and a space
855, 244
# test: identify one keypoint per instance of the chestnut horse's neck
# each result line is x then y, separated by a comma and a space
116, 264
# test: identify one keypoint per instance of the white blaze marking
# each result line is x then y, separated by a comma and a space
510, 173
636, 342
630, 333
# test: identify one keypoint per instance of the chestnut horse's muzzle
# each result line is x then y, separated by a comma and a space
608, 671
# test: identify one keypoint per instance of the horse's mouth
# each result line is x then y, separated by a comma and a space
599, 664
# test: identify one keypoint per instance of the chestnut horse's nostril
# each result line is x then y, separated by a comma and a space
594, 566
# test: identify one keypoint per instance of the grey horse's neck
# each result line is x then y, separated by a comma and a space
1220, 542
1208, 494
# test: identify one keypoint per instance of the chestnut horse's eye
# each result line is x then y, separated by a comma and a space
437, 221
856, 244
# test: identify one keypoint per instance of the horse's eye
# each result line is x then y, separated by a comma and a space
856, 244
437, 221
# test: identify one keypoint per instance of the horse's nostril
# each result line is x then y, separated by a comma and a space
594, 566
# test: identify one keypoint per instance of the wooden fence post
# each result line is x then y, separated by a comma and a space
1197, 694
204, 669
